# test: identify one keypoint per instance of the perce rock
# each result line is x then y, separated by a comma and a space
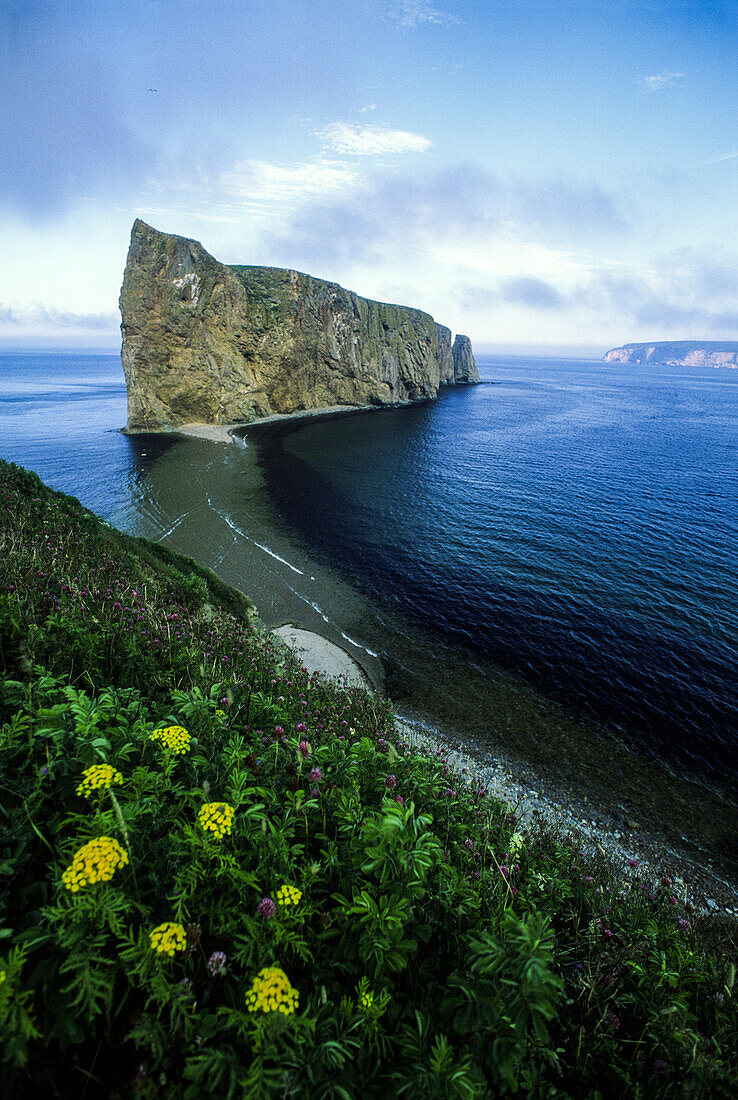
207, 343
678, 353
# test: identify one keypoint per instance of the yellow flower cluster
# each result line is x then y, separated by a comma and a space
174, 738
216, 818
99, 777
366, 999
167, 938
288, 895
271, 992
95, 861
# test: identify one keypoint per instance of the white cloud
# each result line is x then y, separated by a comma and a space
413, 13
37, 315
255, 188
33, 324
260, 181
660, 80
507, 254
371, 141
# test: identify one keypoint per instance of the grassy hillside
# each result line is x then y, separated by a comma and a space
222, 876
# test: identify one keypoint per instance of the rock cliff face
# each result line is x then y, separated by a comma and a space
680, 353
208, 343
465, 365
445, 355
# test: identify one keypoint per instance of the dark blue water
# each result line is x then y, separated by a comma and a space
61, 415
571, 522
568, 521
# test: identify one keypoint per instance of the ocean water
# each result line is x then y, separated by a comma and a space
61, 415
571, 522
566, 524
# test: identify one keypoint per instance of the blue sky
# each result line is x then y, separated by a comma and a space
539, 175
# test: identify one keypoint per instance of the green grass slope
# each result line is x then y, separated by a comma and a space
221, 876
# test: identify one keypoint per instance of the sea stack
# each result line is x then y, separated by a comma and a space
204, 342
465, 365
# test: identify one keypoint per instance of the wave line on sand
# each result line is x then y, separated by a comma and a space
234, 527
359, 646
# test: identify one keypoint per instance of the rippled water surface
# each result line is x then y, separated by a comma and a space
61, 415
570, 523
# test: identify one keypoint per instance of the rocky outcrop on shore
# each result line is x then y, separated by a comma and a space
678, 353
207, 343
465, 366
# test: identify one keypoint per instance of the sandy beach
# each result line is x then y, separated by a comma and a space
233, 433
317, 654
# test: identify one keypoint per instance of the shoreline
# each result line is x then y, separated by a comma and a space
233, 433
210, 503
533, 804
318, 654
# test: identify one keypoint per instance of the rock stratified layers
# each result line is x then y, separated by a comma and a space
208, 343
678, 353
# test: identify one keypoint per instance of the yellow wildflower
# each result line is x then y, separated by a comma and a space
95, 861
216, 818
271, 992
288, 895
99, 777
167, 938
174, 738
366, 999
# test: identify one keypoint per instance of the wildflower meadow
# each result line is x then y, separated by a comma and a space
222, 876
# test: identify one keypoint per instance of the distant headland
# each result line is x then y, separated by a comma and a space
208, 343
678, 353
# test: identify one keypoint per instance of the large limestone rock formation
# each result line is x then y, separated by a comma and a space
465, 365
678, 353
208, 343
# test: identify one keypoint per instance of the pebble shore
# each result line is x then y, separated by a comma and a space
638, 857
696, 887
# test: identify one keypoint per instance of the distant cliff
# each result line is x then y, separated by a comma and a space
679, 353
208, 343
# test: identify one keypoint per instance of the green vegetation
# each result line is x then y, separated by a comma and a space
221, 876
267, 291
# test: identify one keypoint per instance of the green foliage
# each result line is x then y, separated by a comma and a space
433, 1067
398, 849
16, 1011
508, 994
435, 947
